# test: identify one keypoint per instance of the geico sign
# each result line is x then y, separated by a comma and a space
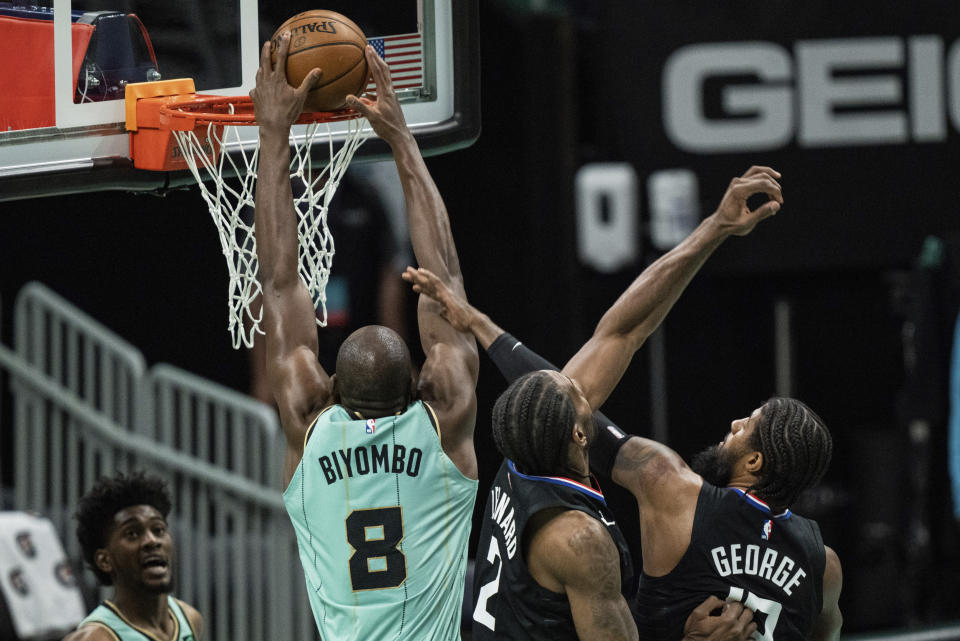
855, 91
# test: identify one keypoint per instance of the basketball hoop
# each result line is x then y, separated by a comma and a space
199, 133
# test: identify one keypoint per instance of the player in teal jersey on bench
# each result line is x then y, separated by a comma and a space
123, 533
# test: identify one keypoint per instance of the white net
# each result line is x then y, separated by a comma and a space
230, 198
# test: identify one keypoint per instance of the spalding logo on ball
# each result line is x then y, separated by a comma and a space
332, 42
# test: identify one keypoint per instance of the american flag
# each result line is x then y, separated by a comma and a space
404, 56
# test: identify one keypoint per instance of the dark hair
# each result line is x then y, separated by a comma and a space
532, 420
374, 369
108, 496
796, 447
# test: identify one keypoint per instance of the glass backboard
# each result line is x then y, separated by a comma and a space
62, 127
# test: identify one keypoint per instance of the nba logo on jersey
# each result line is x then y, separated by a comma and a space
767, 530
371, 425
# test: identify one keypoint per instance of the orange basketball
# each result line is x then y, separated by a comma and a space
332, 42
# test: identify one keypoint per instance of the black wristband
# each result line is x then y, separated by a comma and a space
606, 444
514, 359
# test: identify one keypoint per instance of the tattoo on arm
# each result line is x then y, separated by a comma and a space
598, 606
634, 457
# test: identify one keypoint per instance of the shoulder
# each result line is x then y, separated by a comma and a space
92, 632
193, 616
832, 572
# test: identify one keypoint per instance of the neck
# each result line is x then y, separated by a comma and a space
373, 409
579, 470
742, 481
147, 610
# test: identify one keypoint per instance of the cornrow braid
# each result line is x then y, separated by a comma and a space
107, 497
532, 420
796, 447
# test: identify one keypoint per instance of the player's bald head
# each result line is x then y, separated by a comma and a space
374, 372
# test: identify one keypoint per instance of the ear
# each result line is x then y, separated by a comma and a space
335, 389
579, 434
102, 560
754, 462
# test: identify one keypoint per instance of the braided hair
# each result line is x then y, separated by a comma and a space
796, 447
532, 420
107, 497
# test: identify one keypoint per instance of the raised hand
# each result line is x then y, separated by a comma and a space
276, 104
733, 212
384, 113
734, 623
453, 308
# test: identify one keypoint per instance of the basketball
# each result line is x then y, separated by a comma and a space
332, 42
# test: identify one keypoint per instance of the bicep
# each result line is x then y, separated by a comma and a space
599, 365
297, 380
289, 321
300, 387
830, 620
586, 562
651, 471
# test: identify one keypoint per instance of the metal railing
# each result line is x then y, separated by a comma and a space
84, 405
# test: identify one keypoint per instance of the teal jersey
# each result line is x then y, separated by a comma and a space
108, 616
382, 518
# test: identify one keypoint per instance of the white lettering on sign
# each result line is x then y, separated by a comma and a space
828, 93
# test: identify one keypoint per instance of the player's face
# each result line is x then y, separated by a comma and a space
741, 431
140, 550
718, 462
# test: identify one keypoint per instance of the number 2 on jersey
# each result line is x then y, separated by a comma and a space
480, 613
375, 536
770, 608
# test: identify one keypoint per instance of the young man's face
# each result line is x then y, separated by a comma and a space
139, 550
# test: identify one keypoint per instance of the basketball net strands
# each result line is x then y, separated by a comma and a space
173, 128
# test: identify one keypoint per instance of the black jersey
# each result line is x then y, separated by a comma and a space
508, 603
740, 551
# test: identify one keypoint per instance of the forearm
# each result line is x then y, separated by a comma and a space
275, 222
644, 305
427, 219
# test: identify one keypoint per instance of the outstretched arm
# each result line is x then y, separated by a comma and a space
601, 362
299, 383
512, 358
449, 376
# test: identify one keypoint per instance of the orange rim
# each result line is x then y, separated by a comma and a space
185, 112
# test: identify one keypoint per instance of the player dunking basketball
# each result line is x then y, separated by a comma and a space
698, 537
123, 532
381, 504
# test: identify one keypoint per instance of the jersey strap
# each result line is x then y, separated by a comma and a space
760, 504
109, 617
595, 494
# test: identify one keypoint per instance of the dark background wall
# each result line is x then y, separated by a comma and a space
585, 83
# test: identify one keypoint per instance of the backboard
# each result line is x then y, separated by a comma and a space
66, 63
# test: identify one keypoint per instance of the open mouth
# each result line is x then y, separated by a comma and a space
155, 563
